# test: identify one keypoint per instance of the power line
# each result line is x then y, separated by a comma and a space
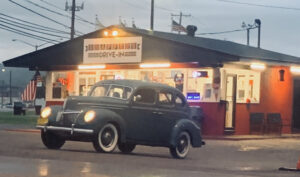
27, 34
30, 29
22, 34
260, 5
41, 15
222, 32
77, 17
42, 7
25, 23
29, 26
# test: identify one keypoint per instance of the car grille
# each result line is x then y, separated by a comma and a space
69, 119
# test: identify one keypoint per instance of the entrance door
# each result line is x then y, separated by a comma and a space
230, 102
296, 106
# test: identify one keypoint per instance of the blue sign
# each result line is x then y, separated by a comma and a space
193, 96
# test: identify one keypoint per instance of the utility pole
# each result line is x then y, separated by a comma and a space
180, 17
73, 8
258, 24
152, 16
10, 99
248, 27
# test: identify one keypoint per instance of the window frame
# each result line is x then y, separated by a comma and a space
184, 103
109, 87
172, 99
143, 103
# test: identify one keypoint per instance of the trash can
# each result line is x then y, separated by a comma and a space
19, 108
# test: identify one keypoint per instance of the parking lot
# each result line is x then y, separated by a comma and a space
23, 154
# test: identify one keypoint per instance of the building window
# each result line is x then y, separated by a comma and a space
59, 85
248, 85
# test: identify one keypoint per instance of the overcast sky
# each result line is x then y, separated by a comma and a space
280, 20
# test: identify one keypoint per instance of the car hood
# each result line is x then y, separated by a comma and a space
85, 102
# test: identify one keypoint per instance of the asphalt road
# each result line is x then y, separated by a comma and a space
23, 154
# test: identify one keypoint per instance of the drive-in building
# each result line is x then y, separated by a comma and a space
228, 80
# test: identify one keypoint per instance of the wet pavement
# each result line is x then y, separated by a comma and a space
22, 154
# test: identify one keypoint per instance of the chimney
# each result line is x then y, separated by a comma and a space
191, 29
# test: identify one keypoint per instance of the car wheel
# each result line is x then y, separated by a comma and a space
126, 147
106, 139
183, 144
52, 141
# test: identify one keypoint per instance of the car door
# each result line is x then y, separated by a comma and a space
139, 118
170, 110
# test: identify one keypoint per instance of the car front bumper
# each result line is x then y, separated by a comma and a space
71, 130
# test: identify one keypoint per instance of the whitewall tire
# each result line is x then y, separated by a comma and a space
106, 139
183, 144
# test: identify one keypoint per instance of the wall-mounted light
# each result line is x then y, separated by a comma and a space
281, 75
258, 66
295, 69
91, 66
113, 33
155, 65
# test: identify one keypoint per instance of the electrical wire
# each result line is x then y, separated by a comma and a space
39, 14
42, 15
23, 33
47, 9
77, 17
35, 25
223, 32
260, 5
30, 29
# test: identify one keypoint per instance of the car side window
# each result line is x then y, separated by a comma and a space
165, 98
179, 101
145, 95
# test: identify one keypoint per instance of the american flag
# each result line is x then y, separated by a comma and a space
177, 27
29, 92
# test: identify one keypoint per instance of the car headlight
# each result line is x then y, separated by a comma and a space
46, 112
89, 116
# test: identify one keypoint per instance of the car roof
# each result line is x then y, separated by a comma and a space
137, 83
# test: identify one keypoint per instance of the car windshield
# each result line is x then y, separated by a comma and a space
115, 91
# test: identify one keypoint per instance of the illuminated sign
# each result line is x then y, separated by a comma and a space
200, 74
112, 50
193, 96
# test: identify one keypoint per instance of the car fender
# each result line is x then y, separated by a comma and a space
104, 116
189, 126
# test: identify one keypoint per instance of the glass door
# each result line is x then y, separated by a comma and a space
230, 102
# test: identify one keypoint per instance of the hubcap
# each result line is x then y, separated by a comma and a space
107, 137
182, 145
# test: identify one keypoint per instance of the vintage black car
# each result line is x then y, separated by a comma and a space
123, 113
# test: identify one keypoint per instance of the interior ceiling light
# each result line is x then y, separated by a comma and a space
155, 65
295, 69
258, 66
105, 33
115, 33
91, 66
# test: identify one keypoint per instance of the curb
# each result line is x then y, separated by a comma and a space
249, 138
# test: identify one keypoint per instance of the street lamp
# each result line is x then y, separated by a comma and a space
10, 98
24, 42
